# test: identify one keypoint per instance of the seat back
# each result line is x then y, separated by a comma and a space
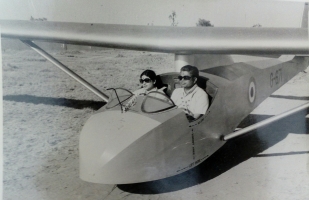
170, 81
201, 82
211, 90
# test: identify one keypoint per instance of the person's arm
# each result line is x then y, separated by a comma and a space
201, 105
130, 103
132, 100
139, 92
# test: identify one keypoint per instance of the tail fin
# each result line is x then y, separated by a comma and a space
304, 22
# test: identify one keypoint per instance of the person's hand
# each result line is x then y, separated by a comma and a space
190, 118
140, 92
125, 108
130, 103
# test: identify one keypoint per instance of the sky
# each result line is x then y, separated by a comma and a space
221, 13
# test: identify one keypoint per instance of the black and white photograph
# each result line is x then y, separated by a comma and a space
149, 100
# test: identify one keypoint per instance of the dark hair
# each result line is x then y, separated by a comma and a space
152, 75
149, 73
191, 69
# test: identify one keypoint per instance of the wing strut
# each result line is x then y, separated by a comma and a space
265, 122
66, 69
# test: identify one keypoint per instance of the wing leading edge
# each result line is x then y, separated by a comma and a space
179, 40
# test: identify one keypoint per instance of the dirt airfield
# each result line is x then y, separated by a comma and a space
44, 111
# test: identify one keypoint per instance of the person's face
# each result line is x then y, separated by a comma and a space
147, 83
187, 83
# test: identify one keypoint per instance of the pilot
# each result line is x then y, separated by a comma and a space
149, 82
191, 98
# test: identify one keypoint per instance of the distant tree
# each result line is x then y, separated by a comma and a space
203, 22
257, 25
172, 18
38, 19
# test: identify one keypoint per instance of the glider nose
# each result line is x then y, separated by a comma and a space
104, 136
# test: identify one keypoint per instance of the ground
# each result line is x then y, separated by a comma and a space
44, 111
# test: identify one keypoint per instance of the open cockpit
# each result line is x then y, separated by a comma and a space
156, 102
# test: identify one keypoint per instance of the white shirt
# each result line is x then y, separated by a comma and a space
195, 101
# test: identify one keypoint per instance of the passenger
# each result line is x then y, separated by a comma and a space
191, 98
149, 81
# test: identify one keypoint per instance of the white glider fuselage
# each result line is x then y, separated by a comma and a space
154, 139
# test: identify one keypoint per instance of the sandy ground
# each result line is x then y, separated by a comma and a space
44, 111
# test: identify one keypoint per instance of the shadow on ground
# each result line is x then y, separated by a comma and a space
231, 154
72, 103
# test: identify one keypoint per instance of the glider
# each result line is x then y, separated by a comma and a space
154, 139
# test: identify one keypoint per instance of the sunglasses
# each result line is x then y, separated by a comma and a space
146, 80
184, 78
